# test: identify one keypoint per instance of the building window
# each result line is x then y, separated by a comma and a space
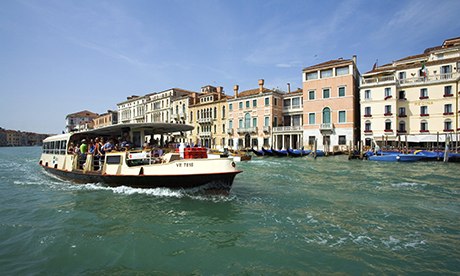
311, 118
342, 91
267, 121
326, 73
402, 75
387, 93
342, 116
342, 71
424, 110
448, 109
247, 104
254, 103
240, 105
402, 112
326, 93
448, 125
267, 101
402, 127
275, 121
254, 122
240, 123
367, 126
230, 107
287, 103
223, 112
448, 91
367, 111
247, 120
230, 124
423, 93
276, 101
311, 76
367, 94
342, 140
296, 103
326, 115
388, 126
388, 110
311, 94
423, 126
402, 95
311, 140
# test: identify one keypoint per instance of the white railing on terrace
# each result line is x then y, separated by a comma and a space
429, 79
378, 80
205, 134
266, 129
292, 107
287, 128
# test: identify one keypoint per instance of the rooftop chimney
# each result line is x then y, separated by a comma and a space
235, 89
261, 85
289, 87
354, 59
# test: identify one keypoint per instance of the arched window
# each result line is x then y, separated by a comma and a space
388, 125
247, 120
367, 126
423, 126
402, 126
326, 115
448, 125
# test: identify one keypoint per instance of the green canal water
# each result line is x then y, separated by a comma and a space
283, 216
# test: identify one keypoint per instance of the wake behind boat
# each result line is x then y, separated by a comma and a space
136, 167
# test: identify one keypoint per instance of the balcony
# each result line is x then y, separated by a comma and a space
326, 127
433, 78
287, 128
292, 108
205, 120
266, 129
205, 134
229, 131
243, 130
378, 80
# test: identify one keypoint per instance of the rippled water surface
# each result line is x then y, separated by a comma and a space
283, 216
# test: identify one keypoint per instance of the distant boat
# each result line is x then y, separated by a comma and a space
298, 153
280, 153
437, 155
268, 152
319, 153
257, 152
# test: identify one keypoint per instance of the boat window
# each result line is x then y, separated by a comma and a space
113, 160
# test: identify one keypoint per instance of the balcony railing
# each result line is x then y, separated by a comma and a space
433, 78
287, 128
378, 80
326, 126
204, 120
247, 130
266, 129
205, 134
230, 131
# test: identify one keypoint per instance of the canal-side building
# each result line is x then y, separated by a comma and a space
180, 114
414, 98
106, 119
158, 105
331, 104
208, 114
252, 115
289, 134
132, 110
80, 120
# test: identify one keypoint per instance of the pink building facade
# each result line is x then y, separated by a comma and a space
331, 104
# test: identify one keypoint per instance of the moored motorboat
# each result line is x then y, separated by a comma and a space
185, 168
397, 157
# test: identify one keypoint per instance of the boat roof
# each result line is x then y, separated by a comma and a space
154, 128
116, 130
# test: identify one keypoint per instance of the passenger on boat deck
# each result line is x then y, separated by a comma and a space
83, 147
71, 148
91, 147
77, 149
108, 147
147, 147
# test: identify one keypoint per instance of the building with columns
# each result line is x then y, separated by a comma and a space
208, 114
132, 110
331, 104
289, 134
415, 98
252, 114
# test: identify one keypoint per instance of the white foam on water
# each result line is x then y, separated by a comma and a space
407, 184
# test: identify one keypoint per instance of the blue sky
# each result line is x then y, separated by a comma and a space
59, 57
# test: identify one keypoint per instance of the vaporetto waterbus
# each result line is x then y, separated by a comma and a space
136, 167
